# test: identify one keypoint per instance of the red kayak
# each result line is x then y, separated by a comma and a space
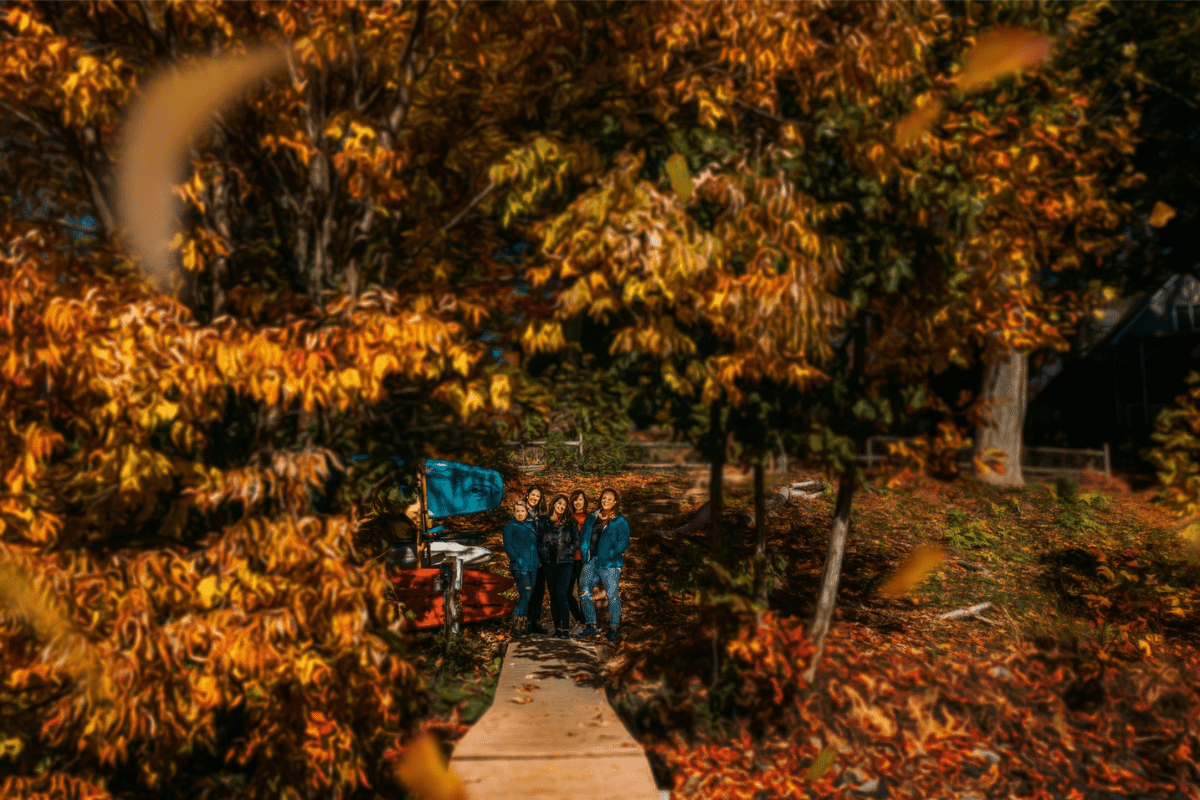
482, 596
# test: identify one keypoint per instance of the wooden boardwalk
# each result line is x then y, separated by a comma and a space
564, 742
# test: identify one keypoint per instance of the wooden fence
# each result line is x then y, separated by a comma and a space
682, 456
1034, 460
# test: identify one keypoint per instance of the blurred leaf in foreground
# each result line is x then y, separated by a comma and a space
918, 564
1001, 52
423, 771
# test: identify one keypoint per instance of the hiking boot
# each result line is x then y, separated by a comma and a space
535, 626
519, 628
588, 632
613, 636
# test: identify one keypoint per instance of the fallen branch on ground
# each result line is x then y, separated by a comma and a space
973, 567
961, 613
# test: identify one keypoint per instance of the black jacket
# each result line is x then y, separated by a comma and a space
558, 543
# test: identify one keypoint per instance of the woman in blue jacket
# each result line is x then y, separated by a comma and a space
604, 540
535, 501
521, 545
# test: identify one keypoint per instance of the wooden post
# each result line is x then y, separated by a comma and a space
760, 544
1107, 462
422, 544
452, 576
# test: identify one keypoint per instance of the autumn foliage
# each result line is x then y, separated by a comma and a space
728, 191
1035, 723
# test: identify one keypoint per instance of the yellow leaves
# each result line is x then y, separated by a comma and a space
206, 591
500, 392
423, 771
208, 695
909, 129
172, 112
462, 362
349, 378
681, 179
919, 563
1000, 52
1161, 214
11, 746
383, 364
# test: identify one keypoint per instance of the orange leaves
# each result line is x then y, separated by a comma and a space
170, 114
424, 772
920, 562
1000, 52
1161, 214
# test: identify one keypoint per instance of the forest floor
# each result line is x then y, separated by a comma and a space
1078, 682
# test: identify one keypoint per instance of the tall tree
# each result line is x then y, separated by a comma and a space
837, 261
161, 457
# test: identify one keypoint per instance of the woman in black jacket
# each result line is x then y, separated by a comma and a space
559, 544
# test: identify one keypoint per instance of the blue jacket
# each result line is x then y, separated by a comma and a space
611, 544
521, 545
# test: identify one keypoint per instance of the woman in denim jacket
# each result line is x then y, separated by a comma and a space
558, 557
520, 543
604, 540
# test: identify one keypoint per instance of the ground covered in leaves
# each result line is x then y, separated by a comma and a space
1077, 683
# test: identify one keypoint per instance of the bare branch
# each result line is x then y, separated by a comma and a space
971, 611
474, 202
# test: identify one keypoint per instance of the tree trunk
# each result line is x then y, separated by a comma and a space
760, 545
1005, 386
716, 477
839, 530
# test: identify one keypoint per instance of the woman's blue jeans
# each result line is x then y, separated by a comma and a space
524, 589
588, 579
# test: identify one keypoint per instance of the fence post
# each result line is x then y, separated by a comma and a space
581, 447
452, 578
1107, 462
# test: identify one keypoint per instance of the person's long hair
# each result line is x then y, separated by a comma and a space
540, 508
554, 502
571, 501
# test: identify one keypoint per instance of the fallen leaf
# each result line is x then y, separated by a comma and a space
523, 699
423, 770
1161, 214
681, 180
529, 687
1000, 52
915, 567
824, 761
909, 129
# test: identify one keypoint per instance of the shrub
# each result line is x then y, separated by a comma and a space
964, 533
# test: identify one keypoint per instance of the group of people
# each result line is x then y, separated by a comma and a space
564, 545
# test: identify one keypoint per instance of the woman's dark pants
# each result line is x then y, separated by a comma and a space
558, 576
537, 596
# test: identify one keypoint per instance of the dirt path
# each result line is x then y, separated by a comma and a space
551, 733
